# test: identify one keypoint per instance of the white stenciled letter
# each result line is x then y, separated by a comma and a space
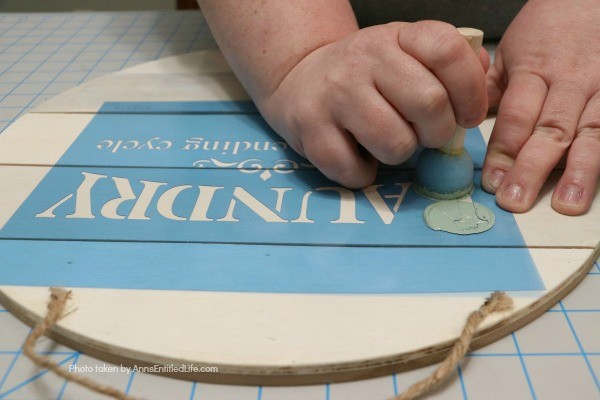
303, 218
166, 200
138, 212
379, 204
109, 209
255, 205
203, 201
83, 199
347, 205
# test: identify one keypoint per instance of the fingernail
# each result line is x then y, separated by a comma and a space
513, 193
570, 194
496, 178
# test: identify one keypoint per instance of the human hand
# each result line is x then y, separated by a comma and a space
547, 75
376, 94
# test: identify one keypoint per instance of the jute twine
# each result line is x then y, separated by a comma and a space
497, 302
56, 307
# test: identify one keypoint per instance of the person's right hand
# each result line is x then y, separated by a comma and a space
546, 81
377, 94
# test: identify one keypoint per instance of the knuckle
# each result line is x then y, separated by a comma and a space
585, 162
301, 118
359, 43
303, 122
337, 79
590, 130
497, 157
374, 115
529, 163
330, 161
360, 46
554, 131
389, 141
434, 100
399, 149
373, 38
432, 28
318, 156
515, 116
448, 48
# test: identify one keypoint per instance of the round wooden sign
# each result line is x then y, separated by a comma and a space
192, 236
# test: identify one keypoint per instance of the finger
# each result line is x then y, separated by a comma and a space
495, 88
551, 137
377, 126
484, 59
337, 155
440, 48
576, 189
418, 96
495, 82
517, 115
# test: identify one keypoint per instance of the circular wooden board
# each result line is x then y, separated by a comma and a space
270, 337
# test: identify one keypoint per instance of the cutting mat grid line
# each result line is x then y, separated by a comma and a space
42, 55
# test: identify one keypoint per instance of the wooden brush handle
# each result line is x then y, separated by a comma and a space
475, 39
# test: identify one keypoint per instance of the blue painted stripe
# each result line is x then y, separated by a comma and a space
263, 268
179, 107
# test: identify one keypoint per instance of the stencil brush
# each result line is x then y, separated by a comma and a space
447, 173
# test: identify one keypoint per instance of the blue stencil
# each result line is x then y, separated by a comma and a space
211, 199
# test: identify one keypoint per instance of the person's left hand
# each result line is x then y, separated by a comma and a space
546, 78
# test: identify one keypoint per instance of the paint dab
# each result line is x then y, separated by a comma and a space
459, 217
